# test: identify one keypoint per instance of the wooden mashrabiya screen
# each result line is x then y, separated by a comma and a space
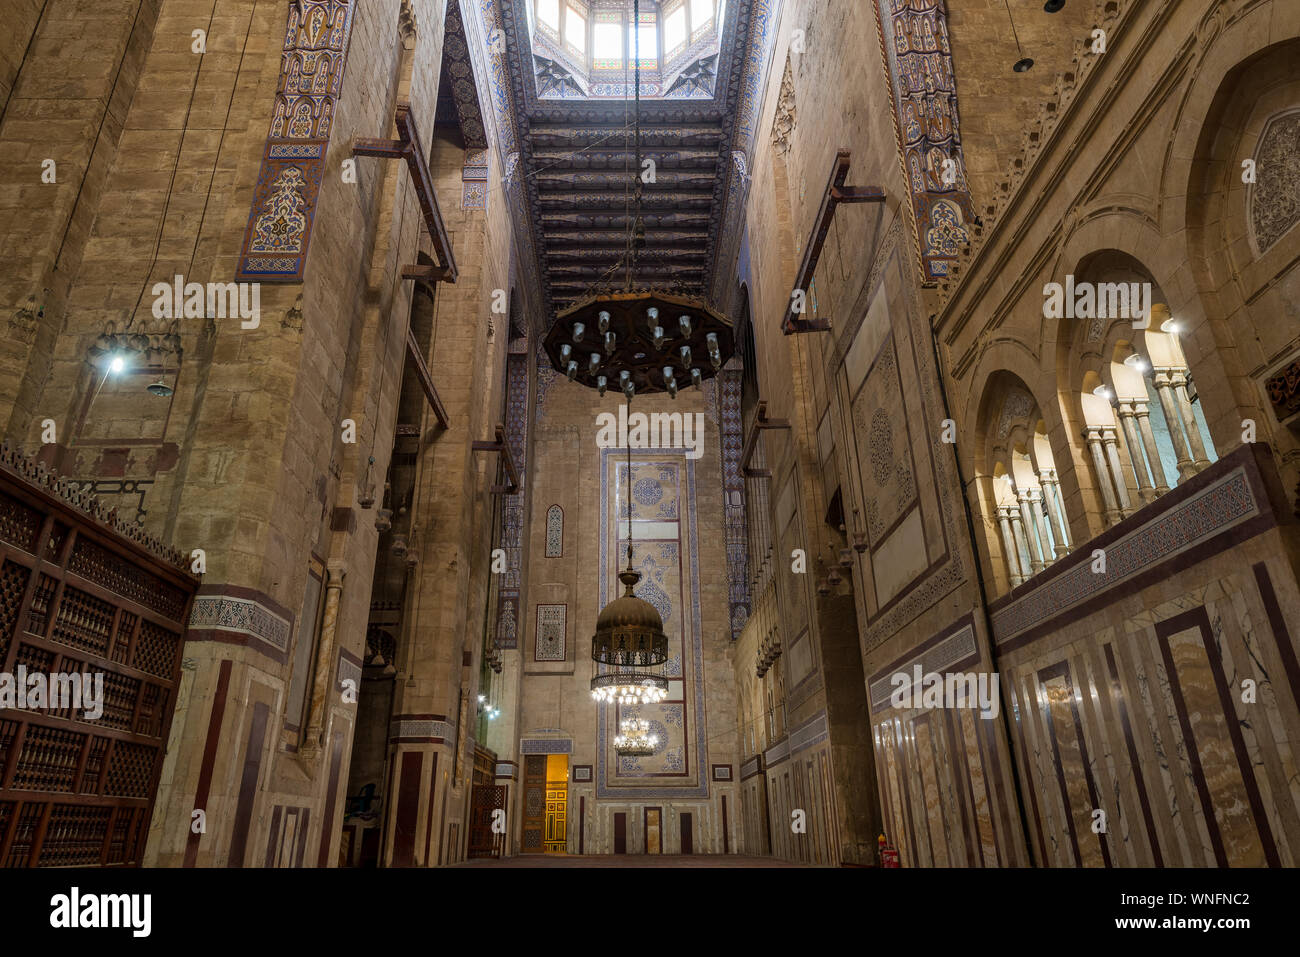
80, 597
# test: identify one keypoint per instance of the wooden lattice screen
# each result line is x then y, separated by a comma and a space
77, 596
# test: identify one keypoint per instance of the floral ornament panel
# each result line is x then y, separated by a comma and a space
918, 63
550, 632
288, 184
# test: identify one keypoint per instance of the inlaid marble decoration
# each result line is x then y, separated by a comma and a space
550, 644
284, 198
474, 180
661, 490
919, 69
885, 454
1141, 709
554, 532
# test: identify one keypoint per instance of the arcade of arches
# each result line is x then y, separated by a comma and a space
1014, 402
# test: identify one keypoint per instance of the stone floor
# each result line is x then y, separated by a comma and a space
630, 860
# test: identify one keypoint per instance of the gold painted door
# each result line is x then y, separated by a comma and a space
557, 805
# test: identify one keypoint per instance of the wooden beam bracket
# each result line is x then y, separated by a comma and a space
761, 422
408, 148
426, 380
500, 446
836, 193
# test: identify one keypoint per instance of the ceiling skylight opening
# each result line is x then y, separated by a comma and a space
575, 29
649, 51
584, 49
701, 13
675, 29
607, 43
548, 12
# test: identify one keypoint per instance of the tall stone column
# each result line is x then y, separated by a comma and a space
1031, 532
1178, 382
1128, 422
1169, 405
1009, 545
1022, 548
1040, 522
1108, 439
1055, 512
325, 654
1143, 416
1093, 438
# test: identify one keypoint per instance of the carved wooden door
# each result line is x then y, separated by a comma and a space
534, 803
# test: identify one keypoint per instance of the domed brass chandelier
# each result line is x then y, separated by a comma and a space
639, 341
629, 641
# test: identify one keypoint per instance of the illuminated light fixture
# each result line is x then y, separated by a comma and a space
629, 647
1136, 361
571, 370
1170, 326
634, 738
684, 326
670, 381
696, 378
715, 354
566, 352
1103, 391
685, 353
601, 384
611, 341
579, 330
657, 337
602, 322
482, 698
116, 364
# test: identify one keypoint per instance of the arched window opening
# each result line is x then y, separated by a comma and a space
1020, 482
1141, 416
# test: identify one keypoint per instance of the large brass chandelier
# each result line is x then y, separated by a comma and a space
629, 647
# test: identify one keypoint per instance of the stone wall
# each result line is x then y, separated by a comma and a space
890, 425
679, 548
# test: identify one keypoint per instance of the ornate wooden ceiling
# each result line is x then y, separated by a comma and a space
577, 157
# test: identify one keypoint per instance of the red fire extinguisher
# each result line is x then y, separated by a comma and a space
888, 853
